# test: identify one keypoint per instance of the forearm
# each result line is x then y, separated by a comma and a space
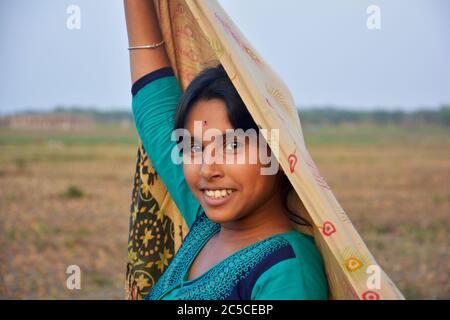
143, 28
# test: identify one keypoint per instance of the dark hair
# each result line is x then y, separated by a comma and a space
209, 84
214, 83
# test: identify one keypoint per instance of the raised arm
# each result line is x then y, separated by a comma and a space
143, 29
156, 93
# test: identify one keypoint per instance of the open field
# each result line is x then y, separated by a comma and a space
65, 200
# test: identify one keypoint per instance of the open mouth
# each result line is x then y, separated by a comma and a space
217, 197
218, 194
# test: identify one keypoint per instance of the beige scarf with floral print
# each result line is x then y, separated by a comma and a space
199, 34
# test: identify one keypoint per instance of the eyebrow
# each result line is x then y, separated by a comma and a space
224, 136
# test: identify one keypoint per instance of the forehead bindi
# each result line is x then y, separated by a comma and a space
212, 114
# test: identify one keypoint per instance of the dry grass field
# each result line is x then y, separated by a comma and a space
65, 197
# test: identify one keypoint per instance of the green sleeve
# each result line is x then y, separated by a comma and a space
291, 280
154, 108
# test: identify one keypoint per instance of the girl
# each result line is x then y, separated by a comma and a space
241, 244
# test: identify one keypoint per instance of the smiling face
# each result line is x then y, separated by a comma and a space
252, 193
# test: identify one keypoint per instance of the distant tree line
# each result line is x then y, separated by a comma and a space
99, 115
339, 116
316, 116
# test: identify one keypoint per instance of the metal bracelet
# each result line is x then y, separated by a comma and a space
149, 46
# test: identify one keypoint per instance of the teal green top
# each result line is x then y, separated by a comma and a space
283, 266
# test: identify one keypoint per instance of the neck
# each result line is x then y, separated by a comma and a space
267, 220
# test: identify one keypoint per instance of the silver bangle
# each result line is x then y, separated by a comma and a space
149, 46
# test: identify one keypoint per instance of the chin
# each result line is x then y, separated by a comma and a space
217, 216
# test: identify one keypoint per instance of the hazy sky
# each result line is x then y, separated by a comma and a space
321, 48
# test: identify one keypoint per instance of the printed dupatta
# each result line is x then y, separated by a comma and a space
199, 34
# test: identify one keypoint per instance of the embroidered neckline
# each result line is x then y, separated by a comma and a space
184, 280
230, 270
223, 261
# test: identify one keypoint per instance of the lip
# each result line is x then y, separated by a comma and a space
217, 202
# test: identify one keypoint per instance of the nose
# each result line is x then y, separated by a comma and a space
210, 168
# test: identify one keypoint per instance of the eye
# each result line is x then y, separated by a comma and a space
233, 145
196, 148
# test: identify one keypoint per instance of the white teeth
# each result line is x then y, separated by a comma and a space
218, 193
